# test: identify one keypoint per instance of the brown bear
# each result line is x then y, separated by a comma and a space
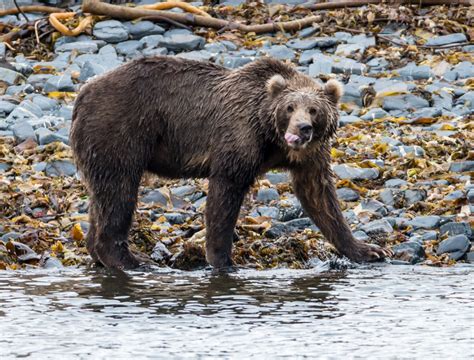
180, 118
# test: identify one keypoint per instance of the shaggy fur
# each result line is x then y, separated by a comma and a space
181, 118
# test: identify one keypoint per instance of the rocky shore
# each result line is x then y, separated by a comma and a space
403, 158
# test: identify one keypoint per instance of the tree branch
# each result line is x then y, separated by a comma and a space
357, 3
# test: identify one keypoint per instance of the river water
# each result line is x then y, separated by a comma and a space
382, 311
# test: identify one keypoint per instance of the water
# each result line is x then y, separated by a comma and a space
372, 312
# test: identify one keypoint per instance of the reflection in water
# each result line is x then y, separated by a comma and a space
404, 311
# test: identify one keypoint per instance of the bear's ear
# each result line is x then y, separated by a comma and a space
275, 85
334, 90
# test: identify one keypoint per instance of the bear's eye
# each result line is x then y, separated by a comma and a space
312, 111
290, 109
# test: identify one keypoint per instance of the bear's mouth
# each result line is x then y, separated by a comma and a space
296, 141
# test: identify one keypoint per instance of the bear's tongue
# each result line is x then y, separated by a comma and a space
291, 138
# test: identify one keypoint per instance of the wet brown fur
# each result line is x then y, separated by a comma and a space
179, 118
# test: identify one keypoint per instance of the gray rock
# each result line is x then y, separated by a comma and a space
306, 57
378, 227
347, 194
10, 77
155, 196
182, 42
233, 61
22, 131
155, 51
198, 55
269, 211
424, 222
415, 72
387, 196
15, 90
456, 246
322, 64
349, 49
348, 66
467, 100
414, 196
446, 39
373, 206
183, 191
362, 39
6, 108
81, 47
3, 50
280, 52
277, 178
229, 45
302, 44
60, 168
464, 70
215, 48
59, 83
426, 113
360, 235
301, 224
347, 172
455, 195
19, 115
410, 251
112, 31
143, 28
470, 257
129, 48
348, 119
404, 102
175, 218
376, 113
307, 32
462, 166
276, 230
456, 228
160, 252
267, 195
10, 236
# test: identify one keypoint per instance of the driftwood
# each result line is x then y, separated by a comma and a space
357, 3
31, 9
127, 13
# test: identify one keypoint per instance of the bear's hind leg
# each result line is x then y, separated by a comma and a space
222, 209
91, 233
114, 205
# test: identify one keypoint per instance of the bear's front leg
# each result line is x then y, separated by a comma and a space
314, 187
224, 199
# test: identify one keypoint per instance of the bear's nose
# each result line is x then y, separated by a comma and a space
305, 129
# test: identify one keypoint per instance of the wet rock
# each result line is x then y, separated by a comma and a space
112, 31
267, 194
347, 172
22, 131
160, 253
276, 230
348, 119
378, 227
322, 64
410, 251
371, 206
404, 150
462, 166
414, 196
456, 228
348, 66
361, 236
376, 113
198, 55
182, 42
60, 168
269, 211
143, 28
6, 108
175, 218
446, 39
404, 102
349, 49
456, 246
425, 222
277, 178
10, 77
52, 262
129, 48
59, 83
81, 47
455, 195
280, 52
415, 72
24, 253
395, 183
155, 196
347, 194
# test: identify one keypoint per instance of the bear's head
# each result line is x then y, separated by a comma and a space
304, 111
